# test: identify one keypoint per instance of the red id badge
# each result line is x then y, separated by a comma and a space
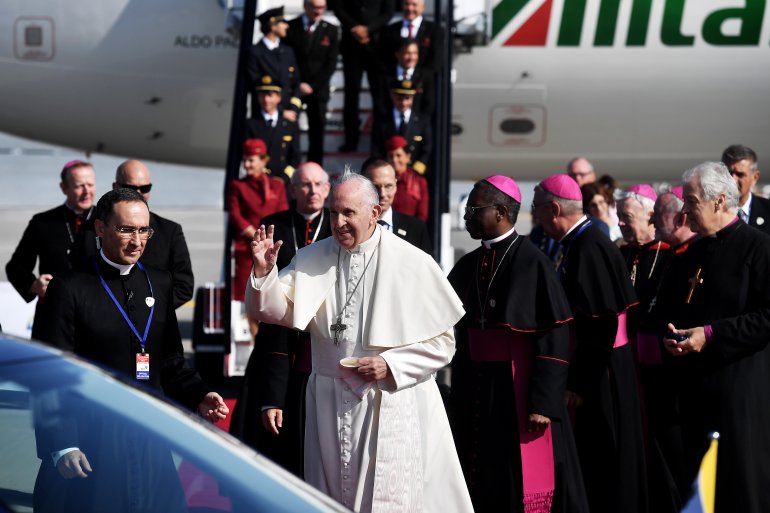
143, 366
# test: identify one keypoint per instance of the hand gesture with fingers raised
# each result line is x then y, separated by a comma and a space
264, 252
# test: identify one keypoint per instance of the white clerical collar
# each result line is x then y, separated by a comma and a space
271, 45
488, 243
580, 221
309, 217
123, 268
387, 218
370, 243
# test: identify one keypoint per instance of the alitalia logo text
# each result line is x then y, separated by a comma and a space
736, 23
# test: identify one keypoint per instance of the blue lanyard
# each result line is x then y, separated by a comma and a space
560, 270
142, 340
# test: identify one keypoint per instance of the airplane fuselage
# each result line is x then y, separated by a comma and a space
644, 88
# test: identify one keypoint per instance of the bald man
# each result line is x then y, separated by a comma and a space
581, 170
167, 250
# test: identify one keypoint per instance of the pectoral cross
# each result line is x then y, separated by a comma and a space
694, 282
338, 328
652, 304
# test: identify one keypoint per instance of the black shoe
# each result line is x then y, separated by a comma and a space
348, 148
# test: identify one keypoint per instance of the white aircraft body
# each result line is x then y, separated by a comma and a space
643, 88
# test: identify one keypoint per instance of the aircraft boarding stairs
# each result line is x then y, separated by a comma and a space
334, 161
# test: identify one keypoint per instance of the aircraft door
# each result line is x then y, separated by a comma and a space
517, 124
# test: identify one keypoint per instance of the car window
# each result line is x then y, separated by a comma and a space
144, 454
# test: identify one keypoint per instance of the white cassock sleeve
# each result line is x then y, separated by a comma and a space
413, 363
270, 299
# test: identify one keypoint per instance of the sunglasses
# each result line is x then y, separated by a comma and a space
144, 189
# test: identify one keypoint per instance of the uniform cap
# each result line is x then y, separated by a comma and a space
268, 83
403, 87
396, 142
269, 17
645, 190
254, 147
562, 186
506, 185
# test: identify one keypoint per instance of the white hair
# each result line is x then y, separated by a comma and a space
669, 202
366, 187
646, 203
714, 179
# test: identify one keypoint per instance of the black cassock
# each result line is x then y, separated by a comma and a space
608, 430
726, 387
54, 241
130, 472
646, 265
279, 365
524, 301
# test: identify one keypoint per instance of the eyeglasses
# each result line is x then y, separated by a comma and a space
143, 189
128, 232
470, 210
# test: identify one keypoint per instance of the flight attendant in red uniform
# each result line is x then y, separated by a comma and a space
412, 189
249, 199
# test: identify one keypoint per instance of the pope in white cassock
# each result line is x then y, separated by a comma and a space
381, 315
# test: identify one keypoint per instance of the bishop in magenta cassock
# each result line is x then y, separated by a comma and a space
602, 387
510, 371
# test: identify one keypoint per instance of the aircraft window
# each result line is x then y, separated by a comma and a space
33, 36
517, 126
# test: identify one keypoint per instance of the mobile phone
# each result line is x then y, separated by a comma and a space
676, 336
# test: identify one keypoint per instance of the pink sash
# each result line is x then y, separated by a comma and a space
536, 448
621, 336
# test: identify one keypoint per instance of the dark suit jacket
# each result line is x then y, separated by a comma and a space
759, 215
316, 54
413, 231
375, 14
281, 65
429, 37
50, 241
167, 251
282, 143
417, 134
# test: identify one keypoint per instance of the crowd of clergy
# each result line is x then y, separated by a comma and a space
590, 371
593, 375
598, 356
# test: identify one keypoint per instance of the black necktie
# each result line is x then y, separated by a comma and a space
402, 126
